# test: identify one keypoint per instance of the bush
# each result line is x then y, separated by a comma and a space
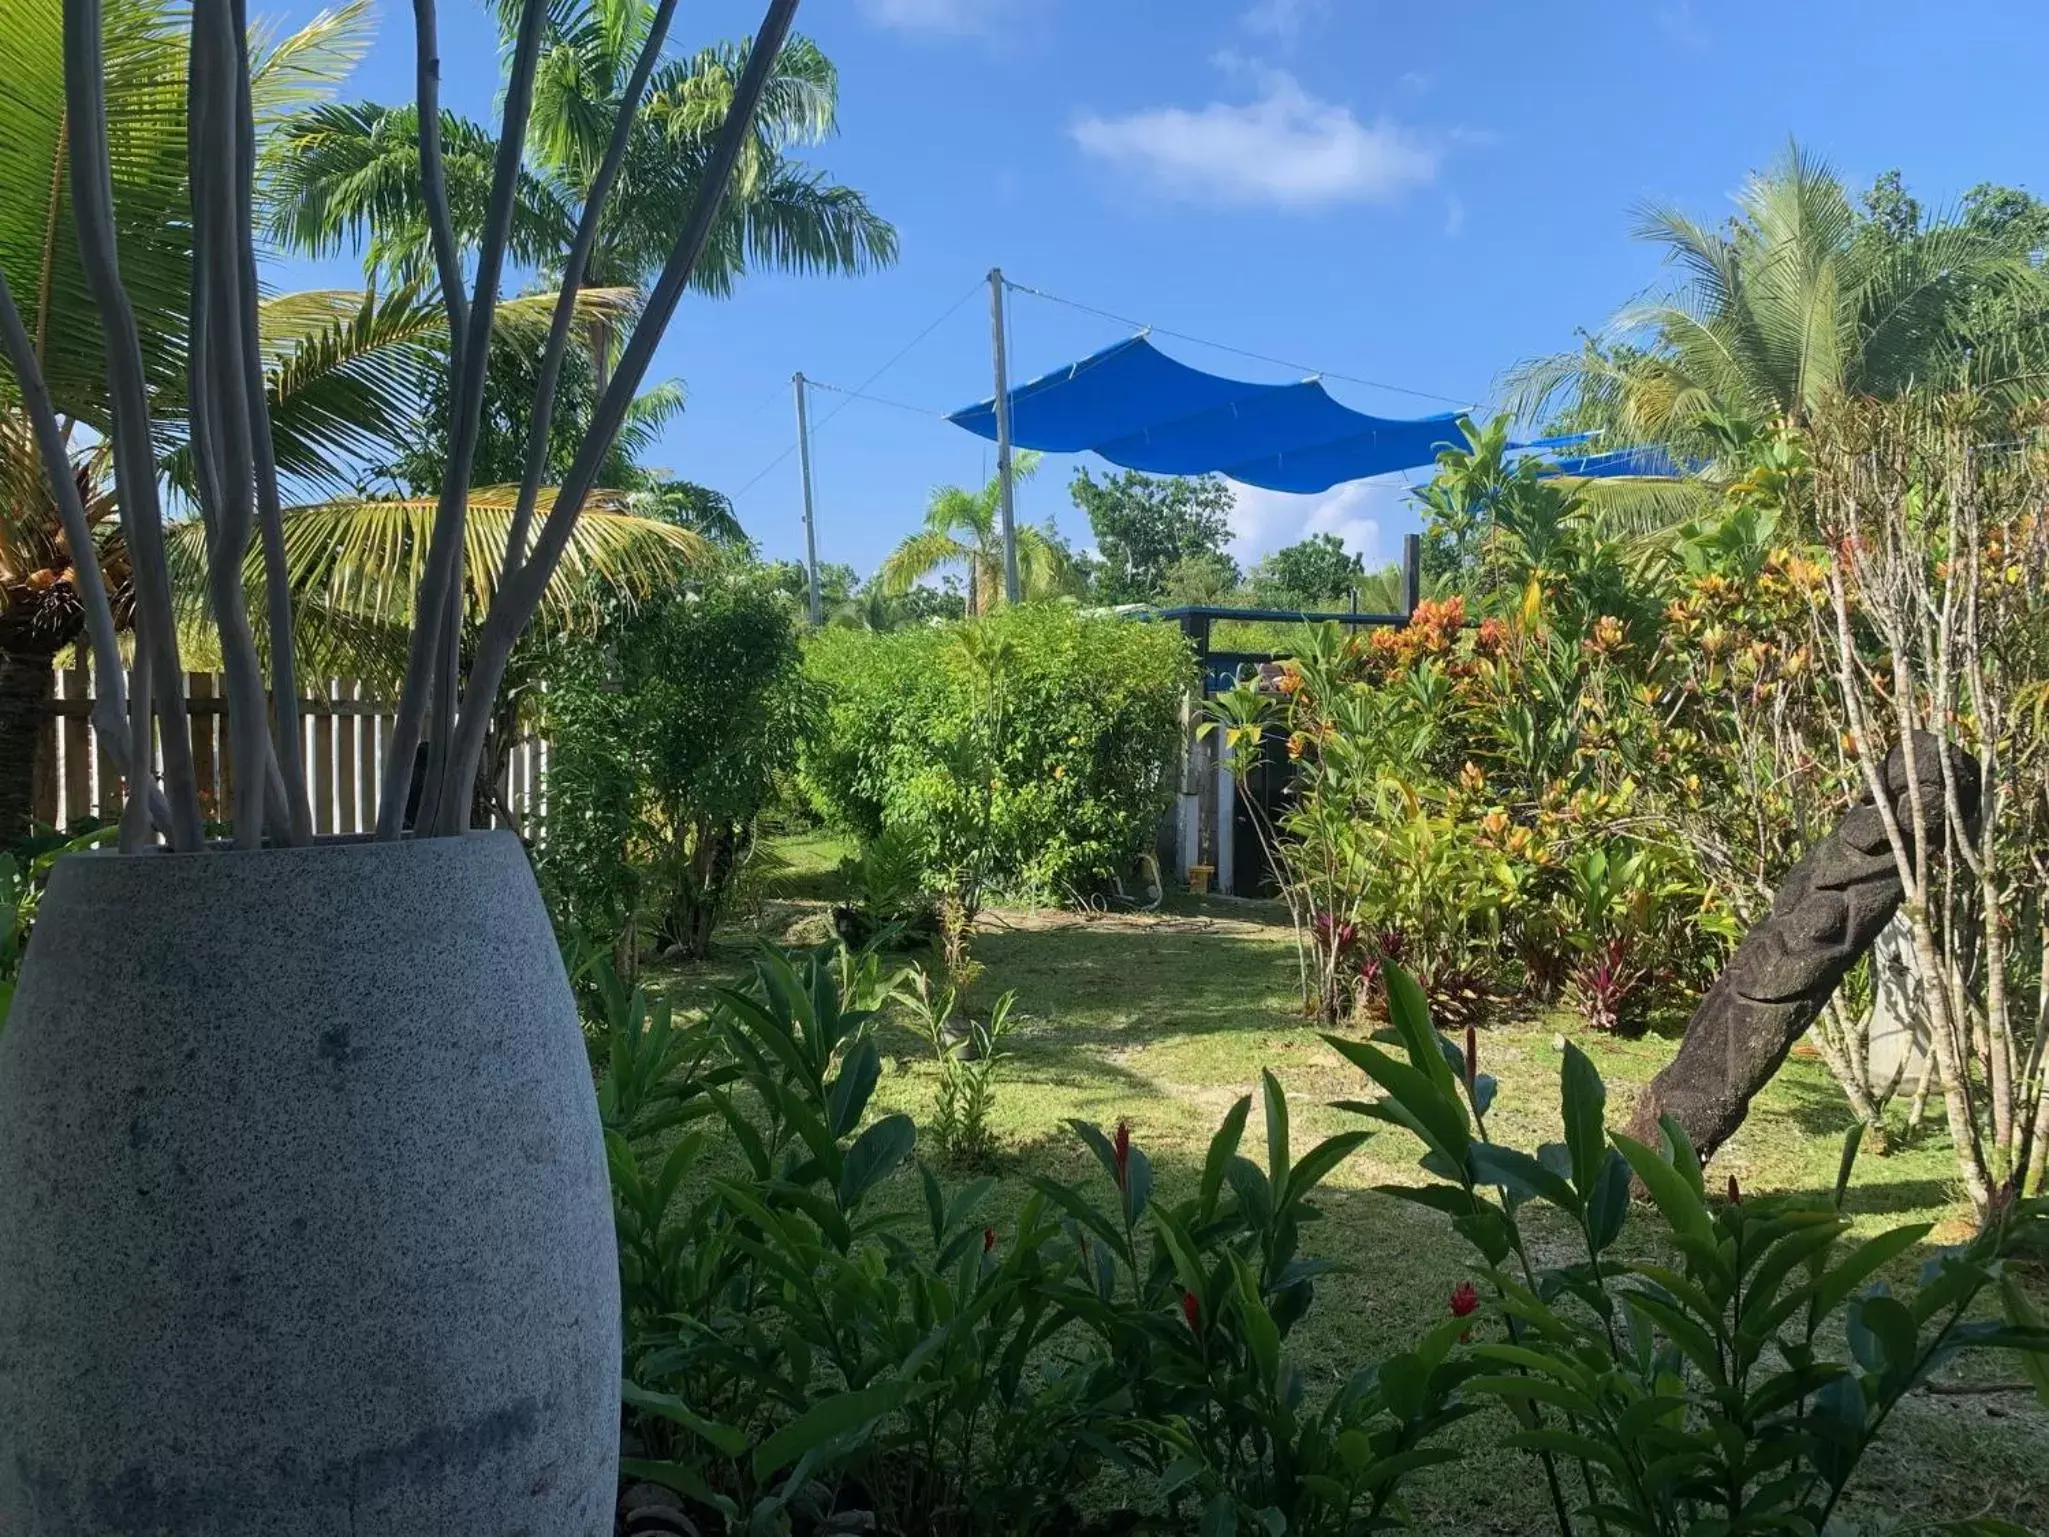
808, 1350
669, 732
802, 1354
1702, 1388
1069, 725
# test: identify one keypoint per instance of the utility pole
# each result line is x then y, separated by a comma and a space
1003, 470
810, 529
1412, 573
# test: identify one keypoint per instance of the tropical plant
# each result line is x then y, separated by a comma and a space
1700, 1387
351, 174
234, 469
889, 903
961, 530
967, 1055
798, 1352
1194, 1302
1794, 304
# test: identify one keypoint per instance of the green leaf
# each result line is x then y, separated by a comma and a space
667, 1406
1222, 1146
1219, 1516
1542, 1390
1852, 1140
1262, 1336
1893, 1327
1608, 1206
1320, 1160
1861, 1263
2022, 1313
874, 1156
1178, 1473
673, 1475
1106, 1155
859, 1074
1584, 1099
1522, 1176
825, 1421
1685, 1158
1181, 1248
1433, 1113
1275, 1102
744, 1133
1676, 1195
1409, 1012
1693, 1341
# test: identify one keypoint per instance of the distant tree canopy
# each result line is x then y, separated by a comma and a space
1316, 570
1145, 526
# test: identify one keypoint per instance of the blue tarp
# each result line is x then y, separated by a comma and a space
1640, 459
1138, 408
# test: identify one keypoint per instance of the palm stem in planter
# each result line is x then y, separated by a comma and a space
110, 702
512, 607
233, 459
135, 470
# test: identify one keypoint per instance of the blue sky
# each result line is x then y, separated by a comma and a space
1420, 195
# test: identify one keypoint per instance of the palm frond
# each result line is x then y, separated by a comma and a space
356, 564
918, 557
290, 73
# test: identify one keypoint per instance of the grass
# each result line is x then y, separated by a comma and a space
1166, 1019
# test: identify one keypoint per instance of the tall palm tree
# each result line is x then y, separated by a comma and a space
349, 175
1795, 302
961, 531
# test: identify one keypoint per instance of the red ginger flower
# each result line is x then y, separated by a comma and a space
1191, 1310
1120, 1151
1465, 1298
988, 1239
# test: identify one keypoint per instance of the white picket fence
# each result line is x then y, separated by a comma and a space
346, 735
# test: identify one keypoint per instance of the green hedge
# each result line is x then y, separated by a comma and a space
1088, 753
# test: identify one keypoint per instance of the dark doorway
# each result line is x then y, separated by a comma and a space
1267, 784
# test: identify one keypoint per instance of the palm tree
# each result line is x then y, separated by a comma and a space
349, 175
961, 530
1795, 302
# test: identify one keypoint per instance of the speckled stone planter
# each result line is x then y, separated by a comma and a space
303, 1214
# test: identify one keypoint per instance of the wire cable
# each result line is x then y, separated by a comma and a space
859, 393
1257, 357
875, 400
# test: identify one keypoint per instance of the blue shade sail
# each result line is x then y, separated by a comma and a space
1139, 408
1647, 459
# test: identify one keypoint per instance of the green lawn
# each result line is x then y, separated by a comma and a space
1166, 1019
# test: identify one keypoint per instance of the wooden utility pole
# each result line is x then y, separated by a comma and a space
810, 529
1003, 468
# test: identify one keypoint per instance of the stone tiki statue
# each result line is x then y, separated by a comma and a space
1824, 916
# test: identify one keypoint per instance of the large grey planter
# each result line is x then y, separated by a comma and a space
303, 1214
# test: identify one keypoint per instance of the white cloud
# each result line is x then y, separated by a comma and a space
1454, 217
1288, 148
959, 17
1357, 512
